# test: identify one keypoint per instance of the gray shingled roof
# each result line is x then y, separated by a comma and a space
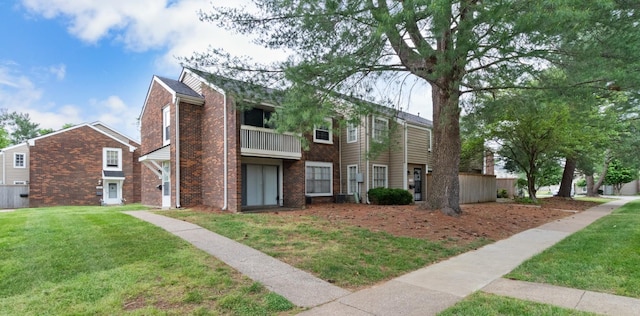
179, 87
250, 91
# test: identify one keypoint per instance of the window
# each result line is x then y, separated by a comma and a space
352, 183
379, 176
166, 125
256, 117
430, 140
112, 158
319, 178
323, 134
380, 128
19, 160
352, 133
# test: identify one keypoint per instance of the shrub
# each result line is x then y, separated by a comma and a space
386, 196
502, 193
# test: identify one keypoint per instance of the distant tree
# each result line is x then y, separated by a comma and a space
618, 175
4, 138
44, 131
67, 125
20, 126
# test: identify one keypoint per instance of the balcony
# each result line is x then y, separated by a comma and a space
264, 142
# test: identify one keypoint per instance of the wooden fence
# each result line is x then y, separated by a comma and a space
508, 184
474, 188
14, 196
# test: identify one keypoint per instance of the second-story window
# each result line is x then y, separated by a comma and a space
19, 160
380, 128
323, 134
112, 158
166, 125
256, 117
352, 133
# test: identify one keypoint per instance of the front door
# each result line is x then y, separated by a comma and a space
260, 185
113, 192
166, 184
417, 182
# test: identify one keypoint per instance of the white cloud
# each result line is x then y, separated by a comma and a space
59, 71
144, 25
19, 93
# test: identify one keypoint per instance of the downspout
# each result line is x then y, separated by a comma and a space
226, 146
177, 101
366, 159
405, 169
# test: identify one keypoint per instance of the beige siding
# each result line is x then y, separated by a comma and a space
418, 145
353, 154
397, 161
12, 174
193, 82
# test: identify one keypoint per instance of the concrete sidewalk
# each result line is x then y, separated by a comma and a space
300, 287
426, 291
434, 288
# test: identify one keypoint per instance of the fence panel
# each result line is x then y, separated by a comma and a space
14, 196
474, 188
508, 184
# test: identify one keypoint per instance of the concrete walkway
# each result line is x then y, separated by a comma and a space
300, 287
426, 291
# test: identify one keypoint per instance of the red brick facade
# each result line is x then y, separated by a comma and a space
66, 167
202, 147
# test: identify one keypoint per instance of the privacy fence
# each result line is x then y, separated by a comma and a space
14, 196
474, 188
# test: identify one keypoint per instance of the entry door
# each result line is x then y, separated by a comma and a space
417, 182
260, 186
113, 192
166, 184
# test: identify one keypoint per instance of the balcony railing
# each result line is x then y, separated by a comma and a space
264, 142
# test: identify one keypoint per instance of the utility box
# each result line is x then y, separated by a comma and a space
359, 177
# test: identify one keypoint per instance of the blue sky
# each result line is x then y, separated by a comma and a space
76, 61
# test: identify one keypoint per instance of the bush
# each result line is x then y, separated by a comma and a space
502, 193
386, 196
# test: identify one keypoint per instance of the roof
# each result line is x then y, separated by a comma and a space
179, 87
112, 174
32, 141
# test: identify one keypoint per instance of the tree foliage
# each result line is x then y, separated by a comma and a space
20, 126
618, 175
456, 47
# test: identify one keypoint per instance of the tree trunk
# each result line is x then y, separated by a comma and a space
445, 191
605, 167
531, 188
590, 184
566, 185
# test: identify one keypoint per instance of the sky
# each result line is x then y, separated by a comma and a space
80, 61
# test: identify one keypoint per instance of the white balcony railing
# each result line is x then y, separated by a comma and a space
264, 142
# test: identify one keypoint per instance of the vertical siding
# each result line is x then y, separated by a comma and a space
353, 154
397, 160
418, 145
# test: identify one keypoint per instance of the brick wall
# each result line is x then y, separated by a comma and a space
323, 153
151, 136
190, 154
65, 168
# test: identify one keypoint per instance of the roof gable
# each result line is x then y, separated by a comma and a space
177, 89
32, 142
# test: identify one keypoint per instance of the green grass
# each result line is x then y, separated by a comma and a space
98, 261
593, 199
351, 257
603, 257
488, 304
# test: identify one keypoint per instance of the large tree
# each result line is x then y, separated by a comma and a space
20, 126
457, 47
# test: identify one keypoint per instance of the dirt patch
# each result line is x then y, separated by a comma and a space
493, 221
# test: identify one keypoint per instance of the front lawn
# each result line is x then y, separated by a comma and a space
488, 304
96, 260
604, 257
349, 256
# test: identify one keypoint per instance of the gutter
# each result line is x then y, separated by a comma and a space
177, 102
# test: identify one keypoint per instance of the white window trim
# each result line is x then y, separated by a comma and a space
319, 164
430, 140
351, 190
329, 129
104, 159
386, 175
373, 125
355, 132
19, 182
24, 160
166, 121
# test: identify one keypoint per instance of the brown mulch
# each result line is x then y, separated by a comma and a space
495, 221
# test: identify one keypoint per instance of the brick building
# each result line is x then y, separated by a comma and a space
87, 164
201, 149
